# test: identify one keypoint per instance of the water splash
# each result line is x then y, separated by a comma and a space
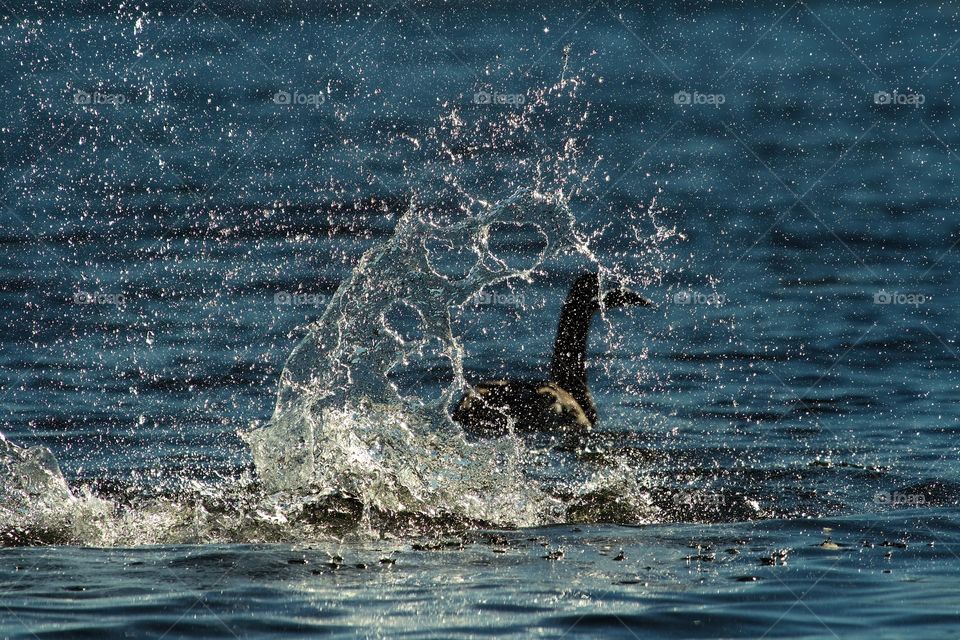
340, 424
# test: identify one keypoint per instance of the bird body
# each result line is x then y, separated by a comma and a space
561, 405
489, 407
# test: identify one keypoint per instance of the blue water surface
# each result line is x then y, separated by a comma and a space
185, 185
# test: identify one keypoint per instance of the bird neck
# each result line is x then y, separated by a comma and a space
568, 367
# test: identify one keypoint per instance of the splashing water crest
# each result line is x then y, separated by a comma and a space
340, 424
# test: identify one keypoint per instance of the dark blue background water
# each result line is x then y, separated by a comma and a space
803, 197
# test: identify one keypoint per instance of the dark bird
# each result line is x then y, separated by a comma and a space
562, 406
